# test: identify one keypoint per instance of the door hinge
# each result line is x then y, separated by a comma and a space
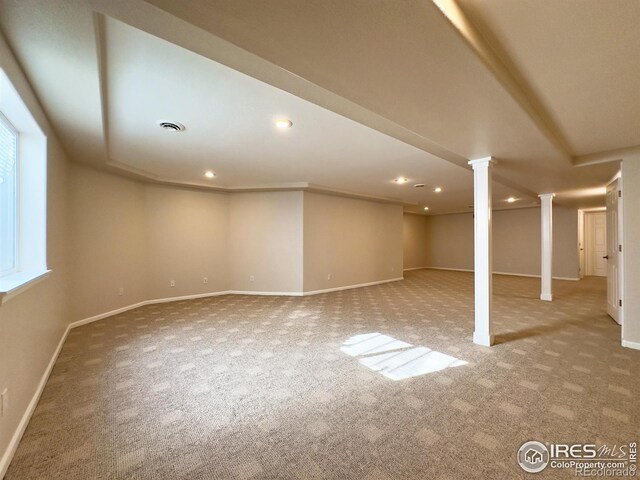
620, 193
620, 302
619, 248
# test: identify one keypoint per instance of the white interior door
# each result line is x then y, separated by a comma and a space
613, 267
596, 243
581, 236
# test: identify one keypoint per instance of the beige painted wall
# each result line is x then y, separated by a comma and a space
450, 241
187, 237
415, 240
33, 322
139, 237
107, 240
631, 251
265, 241
516, 241
355, 241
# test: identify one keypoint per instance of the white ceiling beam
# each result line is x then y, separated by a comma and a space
616, 155
523, 95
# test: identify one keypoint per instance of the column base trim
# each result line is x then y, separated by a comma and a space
482, 339
628, 344
547, 297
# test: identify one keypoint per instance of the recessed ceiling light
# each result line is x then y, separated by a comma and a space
171, 126
419, 185
283, 123
401, 180
437, 189
209, 174
511, 199
426, 208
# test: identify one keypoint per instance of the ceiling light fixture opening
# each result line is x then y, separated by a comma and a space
283, 123
511, 199
401, 180
209, 174
437, 189
171, 126
426, 208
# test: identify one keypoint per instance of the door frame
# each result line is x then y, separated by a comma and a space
581, 228
618, 177
586, 240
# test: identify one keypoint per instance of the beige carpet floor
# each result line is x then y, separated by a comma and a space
246, 387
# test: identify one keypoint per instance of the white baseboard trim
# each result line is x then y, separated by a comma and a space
111, 313
7, 456
187, 297
278, 294
349, 287
414, 268
450, 269
573, 279
628, 344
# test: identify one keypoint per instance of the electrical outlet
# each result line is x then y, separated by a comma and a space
172, 283
252, 278
4, 402
205, 280
121, 291
329, 277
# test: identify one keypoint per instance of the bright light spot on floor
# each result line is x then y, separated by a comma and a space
369, 343
404, 362
410, 363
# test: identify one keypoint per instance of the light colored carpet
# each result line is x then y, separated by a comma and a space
241, 387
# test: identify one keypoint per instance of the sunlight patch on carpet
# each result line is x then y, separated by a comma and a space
369, 343
395, 359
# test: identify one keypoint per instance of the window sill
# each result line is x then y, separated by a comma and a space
16, 283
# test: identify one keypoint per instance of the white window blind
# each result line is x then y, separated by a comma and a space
8, 196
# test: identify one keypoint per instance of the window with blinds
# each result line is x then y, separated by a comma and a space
8, 196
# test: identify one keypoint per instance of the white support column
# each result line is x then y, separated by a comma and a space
482, 250
546, 244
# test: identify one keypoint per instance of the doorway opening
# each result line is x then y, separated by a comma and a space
595, 243
600, 248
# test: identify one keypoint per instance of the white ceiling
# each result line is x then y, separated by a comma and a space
229, 119
430, 98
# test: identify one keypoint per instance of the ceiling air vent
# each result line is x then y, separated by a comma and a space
171, 126
419, 185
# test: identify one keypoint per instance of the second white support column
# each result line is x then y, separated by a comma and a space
482, 334
546, 244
